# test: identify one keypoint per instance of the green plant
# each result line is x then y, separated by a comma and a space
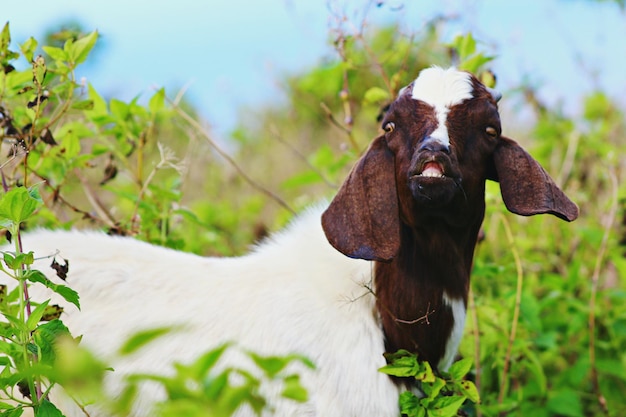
443, 394
27, 347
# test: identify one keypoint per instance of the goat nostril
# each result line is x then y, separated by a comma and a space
434, 146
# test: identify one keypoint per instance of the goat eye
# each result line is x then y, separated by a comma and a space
491, 131
389, 127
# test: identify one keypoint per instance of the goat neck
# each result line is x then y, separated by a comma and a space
418, 290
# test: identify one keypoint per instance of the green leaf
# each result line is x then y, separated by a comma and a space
67, 293
205, 363
294, 390
55, 53
35, 316
46, 336
119, 109
272, 365
19, 203
401, 365
157, 101
47, 409
375, 95
433, 389
28, 48
13, 412
468, 388
79, 50
5, 37
99, 104
446, 406
460, 368
140, 339
410, 405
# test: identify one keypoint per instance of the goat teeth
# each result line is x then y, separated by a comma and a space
432, 171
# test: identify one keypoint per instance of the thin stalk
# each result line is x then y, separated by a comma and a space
25, 311
476, 334
516, 310
595, 278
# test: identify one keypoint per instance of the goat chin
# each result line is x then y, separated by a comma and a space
292, 294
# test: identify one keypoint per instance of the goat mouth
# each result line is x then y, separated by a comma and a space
431, 169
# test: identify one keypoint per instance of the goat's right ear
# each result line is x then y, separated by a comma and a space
362, 220
526, 187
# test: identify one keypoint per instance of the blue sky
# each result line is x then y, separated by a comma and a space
233, 53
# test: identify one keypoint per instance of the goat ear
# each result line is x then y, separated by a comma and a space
362, 220
526, 187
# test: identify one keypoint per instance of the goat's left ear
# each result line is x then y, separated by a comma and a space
362, 220
526, 187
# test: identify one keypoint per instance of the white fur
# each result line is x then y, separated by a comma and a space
457, 305
293, 294
442, 89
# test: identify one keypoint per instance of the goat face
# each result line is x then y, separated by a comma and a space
442, 129
441, 143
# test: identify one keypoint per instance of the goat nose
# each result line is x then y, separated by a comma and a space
434, 145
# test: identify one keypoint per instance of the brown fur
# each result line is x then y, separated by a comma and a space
422, 231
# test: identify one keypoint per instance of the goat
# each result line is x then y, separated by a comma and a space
402, 231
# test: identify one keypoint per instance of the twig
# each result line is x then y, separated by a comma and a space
568, 161
105, 216
194, 123
476, 332
516, 310
594, 292
276, 134
335, 122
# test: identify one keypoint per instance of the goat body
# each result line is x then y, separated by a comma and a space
409, 214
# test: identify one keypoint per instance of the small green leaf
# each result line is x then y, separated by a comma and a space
28, 48
55, 53
375, 95
67, 293
157, 101
468, 388
19, 203
140, 339
99, 109
45, 337
433, 389
272, 365
294, 390
445, 406
410, 405
35, 316
47, 409
460, 368
206, 362
13, 411
79, 50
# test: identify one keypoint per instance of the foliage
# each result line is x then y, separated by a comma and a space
440, 395
546, 327
202, 388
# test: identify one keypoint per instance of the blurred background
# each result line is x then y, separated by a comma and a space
234, 55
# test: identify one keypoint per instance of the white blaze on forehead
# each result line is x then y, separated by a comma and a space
442, 89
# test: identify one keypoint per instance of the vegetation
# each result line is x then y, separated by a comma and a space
547, 328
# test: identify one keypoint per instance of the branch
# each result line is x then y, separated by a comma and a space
194, 123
